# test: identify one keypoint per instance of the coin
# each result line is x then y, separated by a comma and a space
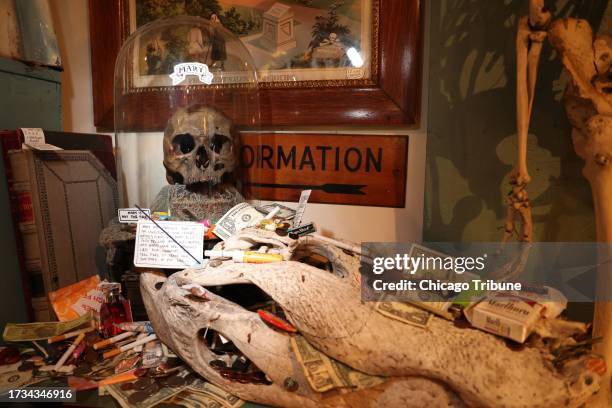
92, 339
82, 369
143, 383
152, 389
137, 397
175, 381
215, 263
9, 355
218, 364
141, 372
90, 357
127, 386
290, 384
26, 366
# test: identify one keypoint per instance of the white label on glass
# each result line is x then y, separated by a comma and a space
191, 68
130, 215
156, 249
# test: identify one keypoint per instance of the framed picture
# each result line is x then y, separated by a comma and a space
342, 62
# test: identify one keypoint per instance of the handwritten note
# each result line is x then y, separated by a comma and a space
132, 215
155, 249
34, 138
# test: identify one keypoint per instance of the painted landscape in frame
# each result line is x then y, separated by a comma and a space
292, 42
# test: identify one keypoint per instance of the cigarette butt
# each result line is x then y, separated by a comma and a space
117, 350
70, 334
272, 213
68, 352
111, 353
123, 377
107, 342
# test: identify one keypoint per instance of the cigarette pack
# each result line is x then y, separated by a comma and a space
506, 317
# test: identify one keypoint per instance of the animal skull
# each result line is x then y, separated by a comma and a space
448, 365
198, 146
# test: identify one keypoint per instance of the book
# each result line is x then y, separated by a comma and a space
63, 199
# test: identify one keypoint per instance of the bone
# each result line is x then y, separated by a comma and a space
603, 53
597, 151
179, 320
573, 40
539, 16
327, 310
199, 146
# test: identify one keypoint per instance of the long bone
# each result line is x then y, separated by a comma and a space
589, 106
529, 38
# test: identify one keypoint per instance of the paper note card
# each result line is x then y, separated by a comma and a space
34, 138
155, 249
132, 215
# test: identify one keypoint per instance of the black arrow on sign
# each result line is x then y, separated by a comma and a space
330, 188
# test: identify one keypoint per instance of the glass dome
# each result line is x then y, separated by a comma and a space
184, 89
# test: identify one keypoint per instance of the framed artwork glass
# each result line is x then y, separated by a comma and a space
294, 43
319, 62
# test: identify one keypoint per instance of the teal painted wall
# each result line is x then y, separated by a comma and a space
471, 141
29, 97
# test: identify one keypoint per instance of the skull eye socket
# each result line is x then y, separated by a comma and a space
217, 142
183, 142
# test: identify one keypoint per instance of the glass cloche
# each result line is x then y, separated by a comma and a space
184, 89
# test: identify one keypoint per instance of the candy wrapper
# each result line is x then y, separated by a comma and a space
77, 299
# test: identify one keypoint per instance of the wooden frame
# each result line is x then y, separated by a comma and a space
392, 98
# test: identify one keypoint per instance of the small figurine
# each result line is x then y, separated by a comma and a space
218, 52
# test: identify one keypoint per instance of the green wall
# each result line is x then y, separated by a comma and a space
471, 140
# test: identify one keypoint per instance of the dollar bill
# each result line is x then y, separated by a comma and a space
405, 313
17, 379
41, 331
237, 218
122, 396
193, 399
324, 374
284, 212
203, 387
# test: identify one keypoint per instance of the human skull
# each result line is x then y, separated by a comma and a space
198, 146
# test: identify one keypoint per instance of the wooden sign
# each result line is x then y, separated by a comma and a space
339, 169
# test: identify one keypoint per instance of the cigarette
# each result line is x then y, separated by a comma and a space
353, 248
143, 327
70, 334
122, 377
68, 352
119, 337
115, 351
272, 213
42, 350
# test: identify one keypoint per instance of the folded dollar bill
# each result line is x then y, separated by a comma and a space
40, 331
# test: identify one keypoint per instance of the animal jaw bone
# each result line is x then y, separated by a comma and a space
327, 310
179, 322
